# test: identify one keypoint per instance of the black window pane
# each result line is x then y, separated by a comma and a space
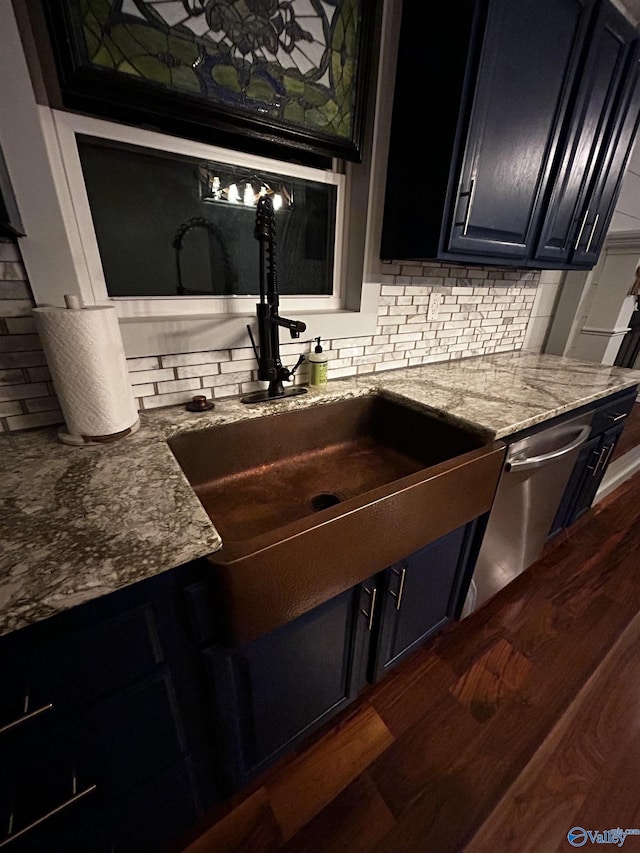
141, 201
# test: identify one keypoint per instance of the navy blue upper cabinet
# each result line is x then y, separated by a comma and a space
531, 118
601, 130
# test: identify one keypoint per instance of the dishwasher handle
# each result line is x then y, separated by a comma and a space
527, 464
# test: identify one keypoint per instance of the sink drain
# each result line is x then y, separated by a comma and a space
324, 500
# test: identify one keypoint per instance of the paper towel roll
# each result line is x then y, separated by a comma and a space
86, 358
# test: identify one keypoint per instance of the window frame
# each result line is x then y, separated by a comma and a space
69, 126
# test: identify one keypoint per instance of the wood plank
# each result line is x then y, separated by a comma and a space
355, 821
317, 776
570, 779
250, 828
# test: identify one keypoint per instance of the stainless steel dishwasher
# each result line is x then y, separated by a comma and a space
535, 474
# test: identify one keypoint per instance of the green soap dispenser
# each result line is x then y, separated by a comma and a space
318, 361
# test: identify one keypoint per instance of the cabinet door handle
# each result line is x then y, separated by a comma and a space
597, 465
608, 456
28, 715
593, 231
615, 418
373, 593
579, 237
75, 796
401, 587
472, 189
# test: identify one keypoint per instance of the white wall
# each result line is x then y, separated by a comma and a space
627, 213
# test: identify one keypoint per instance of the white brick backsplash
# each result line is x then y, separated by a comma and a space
158, 400
342, 371
405, 337
11, 376
23, 391
375, 349
228, 390
141, 377
391, 365
20, 325
39, 374
22, 359
144, 390
16, 308
12, 408
14, 290
341, 343
184, 359
248, 364
192, 370
483, 310
175, 385
147, 363
42, 404
240, 353
9, 251
17, 343
222, 379
36, 420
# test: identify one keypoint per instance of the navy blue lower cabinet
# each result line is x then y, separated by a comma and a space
417, 597
279, 688
106, 737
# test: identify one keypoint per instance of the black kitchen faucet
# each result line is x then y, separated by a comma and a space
270, 367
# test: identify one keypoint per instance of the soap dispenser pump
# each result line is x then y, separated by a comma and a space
318, 361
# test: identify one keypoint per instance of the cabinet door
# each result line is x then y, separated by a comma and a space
575, 218
527, 62
418, 597
573, 505
593, 473
282, 686
604, 193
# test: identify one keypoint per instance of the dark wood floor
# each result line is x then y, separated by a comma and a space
500, 735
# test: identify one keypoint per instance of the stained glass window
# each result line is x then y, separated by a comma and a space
292, 62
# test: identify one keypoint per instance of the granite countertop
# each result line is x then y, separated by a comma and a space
78, 523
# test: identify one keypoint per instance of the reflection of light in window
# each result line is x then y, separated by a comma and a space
220, 184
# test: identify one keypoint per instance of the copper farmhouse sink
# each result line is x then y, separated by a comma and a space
311, 501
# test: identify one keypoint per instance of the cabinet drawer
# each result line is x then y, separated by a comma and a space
42, 787
68, 668
128, 740
613, 413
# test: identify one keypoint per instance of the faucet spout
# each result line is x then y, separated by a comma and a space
295, 326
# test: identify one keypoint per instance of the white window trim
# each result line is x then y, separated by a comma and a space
55, 255
94, 289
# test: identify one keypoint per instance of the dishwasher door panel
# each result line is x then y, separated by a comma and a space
536, 472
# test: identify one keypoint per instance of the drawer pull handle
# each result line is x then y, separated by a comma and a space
615, 418
28, 715
75, 796
597, 467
